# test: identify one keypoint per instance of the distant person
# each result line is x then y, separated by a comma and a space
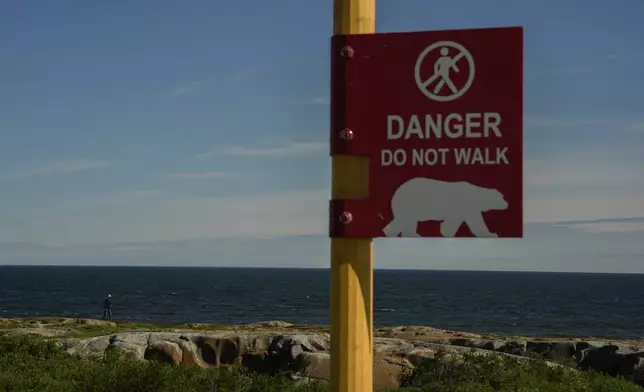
107, 307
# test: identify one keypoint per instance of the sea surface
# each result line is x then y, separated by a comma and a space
530, 304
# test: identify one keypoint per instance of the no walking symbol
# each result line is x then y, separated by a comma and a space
441, 85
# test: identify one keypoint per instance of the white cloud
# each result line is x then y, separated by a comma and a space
545, 247
133, 248
624, 154
188, 88
292, 149
202, 175
123, 197
54, 168
317, 100
86, 204
602, 167
152, 216
243, 75
561, 123
541, 174
567, 70
199, 84
579, 207
614, 190
581, 69
558, 122
635, 127
608, 227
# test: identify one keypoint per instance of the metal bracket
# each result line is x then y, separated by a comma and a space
340, 54
345, 57
346, 217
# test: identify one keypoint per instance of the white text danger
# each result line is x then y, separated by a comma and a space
437, 126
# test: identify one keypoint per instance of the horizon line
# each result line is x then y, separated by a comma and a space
319, 268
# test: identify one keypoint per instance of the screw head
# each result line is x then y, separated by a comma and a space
346, 218
346, 134
347, 51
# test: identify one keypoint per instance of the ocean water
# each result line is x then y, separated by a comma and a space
531, 304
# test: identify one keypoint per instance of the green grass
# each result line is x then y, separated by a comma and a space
78, 330
489, 373
32, 363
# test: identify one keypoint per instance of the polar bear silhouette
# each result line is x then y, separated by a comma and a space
454, 203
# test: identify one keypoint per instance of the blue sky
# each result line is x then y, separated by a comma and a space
194, 133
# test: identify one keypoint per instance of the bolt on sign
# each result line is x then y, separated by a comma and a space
439, 114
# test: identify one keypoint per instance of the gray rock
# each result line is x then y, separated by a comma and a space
389, 346
132, 345
260, 343
552, 350
311, 343
418, 355
163, 351
307, 355
296, 351
514, 347
476, 343
165, 336
634, 369
314, 365
582, 349
94, 347
612, 359
136, 339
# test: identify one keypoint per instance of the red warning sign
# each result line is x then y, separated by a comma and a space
439, 114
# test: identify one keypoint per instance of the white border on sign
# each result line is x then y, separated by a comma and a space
421, 83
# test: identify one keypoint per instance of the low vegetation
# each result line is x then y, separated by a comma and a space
33, 363
490, 373
86, 328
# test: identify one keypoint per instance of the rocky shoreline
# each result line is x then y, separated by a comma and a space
304, 350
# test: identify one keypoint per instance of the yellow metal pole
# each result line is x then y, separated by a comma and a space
351, 258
